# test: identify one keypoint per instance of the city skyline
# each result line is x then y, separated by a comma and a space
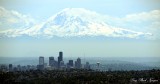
49, 63
80, 41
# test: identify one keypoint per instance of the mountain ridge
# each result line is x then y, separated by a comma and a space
74, 22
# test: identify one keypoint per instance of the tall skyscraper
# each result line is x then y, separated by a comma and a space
10, 67
70, 63
41, 63
41, 60
78, 63
51, 61
60, 58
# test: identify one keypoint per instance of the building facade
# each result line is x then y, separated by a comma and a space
60, 58
41, 60
51, 61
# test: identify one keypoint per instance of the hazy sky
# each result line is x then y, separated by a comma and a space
138, 15
46, 8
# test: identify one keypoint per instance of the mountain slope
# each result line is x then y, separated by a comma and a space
74, 22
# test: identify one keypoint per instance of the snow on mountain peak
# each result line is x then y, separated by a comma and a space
72, 22
74, 15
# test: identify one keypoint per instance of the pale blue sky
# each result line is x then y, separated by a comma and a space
46, 8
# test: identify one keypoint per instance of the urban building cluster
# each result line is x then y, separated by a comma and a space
73, 72
59, 63
52, 65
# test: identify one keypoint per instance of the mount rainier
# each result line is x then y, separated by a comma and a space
73, 22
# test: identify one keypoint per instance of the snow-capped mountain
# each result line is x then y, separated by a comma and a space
74, 22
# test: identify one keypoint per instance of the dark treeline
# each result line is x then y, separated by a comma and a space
79, 77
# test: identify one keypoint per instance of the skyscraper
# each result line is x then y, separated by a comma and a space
51, 61
41, 60
70, 63
41, 63
78, 63
10, 67
60, 58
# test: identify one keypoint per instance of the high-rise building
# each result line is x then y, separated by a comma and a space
70, 63
51, 61
41, 60
55, 64
87, 65
19, 67
75, 64
3, 67
78, 63
62, 63
10, 67
60, 58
